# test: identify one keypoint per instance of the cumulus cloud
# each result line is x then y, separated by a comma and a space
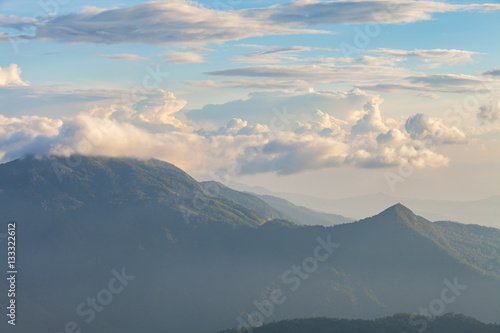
184, 57
11, 76
289, 143
86, 134
16, 133
423, 127
371, 120
160, 107
262, 107
155, 106
323, 124
131, 57
489, 113
293, 154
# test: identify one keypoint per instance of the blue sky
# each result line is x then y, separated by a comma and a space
227, 71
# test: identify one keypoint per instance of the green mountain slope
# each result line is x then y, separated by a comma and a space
55, 186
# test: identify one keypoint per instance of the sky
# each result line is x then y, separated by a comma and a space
327, 98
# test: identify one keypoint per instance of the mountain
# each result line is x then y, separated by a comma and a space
483, 212
244, 199
119, 245
272, 207
55, 187
302, 215
449, 323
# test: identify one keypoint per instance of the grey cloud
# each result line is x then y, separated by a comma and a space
493, 72
489, 113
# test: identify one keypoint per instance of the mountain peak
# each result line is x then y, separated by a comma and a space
400, 210
397, 215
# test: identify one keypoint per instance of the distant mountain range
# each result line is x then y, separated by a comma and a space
484, 212
449, 323
199, 257
272, 207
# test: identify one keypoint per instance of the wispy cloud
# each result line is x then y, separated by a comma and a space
272, 55
183, 57
435, 57
173, 22
131, 57
449, 83
184, 23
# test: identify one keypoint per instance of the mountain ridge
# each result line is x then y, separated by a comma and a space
214, 263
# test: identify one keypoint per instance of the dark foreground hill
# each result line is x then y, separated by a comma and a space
126, 246
449, 323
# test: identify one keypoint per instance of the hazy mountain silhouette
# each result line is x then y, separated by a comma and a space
484, 212
202, 262
272, 207
449, 323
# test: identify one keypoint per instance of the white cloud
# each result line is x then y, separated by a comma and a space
428, 95
434, 130
184, 57
261, 107
371, 121
15, 133
156, 106
436, 57
11, 76
289, 143
131, 57
318, 73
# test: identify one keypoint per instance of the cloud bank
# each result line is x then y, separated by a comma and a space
351, 131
